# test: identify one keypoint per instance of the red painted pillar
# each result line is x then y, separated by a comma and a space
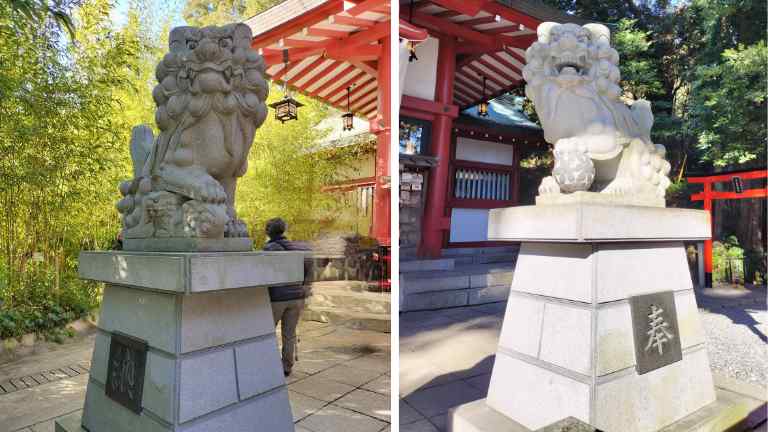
383, 131
708, 243
436, 221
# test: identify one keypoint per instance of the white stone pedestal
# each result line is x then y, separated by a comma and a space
212, 361
567, 345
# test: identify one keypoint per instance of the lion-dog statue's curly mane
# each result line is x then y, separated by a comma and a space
601, 143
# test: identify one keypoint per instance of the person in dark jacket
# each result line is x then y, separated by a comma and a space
287, 301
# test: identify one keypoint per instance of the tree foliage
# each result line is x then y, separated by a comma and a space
216, 12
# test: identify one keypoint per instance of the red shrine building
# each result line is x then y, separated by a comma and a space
462, 138
461, 133
337, 52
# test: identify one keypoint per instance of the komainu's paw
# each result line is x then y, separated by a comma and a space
236, 228
549, 186
207, 189
620, 186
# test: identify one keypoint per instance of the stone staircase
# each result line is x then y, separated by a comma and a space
349, 304
463, 276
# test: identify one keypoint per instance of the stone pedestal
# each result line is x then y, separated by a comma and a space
568, 345
205, 323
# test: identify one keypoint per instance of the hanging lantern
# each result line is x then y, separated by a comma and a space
412, 51
482, 108
287, 108
348, 118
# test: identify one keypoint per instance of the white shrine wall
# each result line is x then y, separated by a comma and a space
421, 78
471, 225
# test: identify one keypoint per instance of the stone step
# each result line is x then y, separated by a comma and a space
341, 285
486, 258
426, 265
461, 251
349, 319
366, 302
454, 298
462, 277
468, 284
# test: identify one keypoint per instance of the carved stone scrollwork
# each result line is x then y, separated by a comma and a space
210, 101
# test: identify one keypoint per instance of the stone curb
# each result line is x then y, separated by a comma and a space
14, 348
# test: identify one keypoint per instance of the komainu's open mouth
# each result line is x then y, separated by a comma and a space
561, 66
569, 63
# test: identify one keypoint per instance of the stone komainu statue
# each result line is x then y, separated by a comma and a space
601, 144
210, 101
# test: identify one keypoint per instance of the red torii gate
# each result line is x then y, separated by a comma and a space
709, 195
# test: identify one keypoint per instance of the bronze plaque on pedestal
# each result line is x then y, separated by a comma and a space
125, 371
657, 337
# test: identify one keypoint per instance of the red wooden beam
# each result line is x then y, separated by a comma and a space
322, 32
505, 29
316, 78
497, 71
341, 75
466, 82
748, 175
341, 90
497, 82
360, 94
411, 32
461, 97
374, 33
504, 62
512, 15
519, 41
283, 70
478, 21
300, 43
715, 195
446, 14
478, 49
321, 74
465, 7
480, 203
275, 56
448, 27
429, 106
352, 21
367, 5
356, 53
295, 25
364, 100
304, 72
519, 57
467, 93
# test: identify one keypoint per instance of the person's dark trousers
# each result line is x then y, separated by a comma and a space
288, 313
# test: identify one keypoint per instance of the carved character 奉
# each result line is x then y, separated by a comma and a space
210, 101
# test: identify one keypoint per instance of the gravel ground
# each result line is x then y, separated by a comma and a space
736, 325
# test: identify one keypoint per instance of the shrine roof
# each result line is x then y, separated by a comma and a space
492, 35
330, 45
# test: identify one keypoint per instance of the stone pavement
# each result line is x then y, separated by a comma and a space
446, 356
341, 383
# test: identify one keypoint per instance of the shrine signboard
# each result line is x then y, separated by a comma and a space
125, 371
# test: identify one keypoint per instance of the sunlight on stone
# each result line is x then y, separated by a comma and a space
121, 267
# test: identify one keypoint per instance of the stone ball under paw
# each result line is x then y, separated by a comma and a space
574, 171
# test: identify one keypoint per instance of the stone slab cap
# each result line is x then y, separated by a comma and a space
595, 223
569, 424
193, 272
731, 411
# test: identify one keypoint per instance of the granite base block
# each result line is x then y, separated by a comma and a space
731, 411
571, 336
188, 244
212, 362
